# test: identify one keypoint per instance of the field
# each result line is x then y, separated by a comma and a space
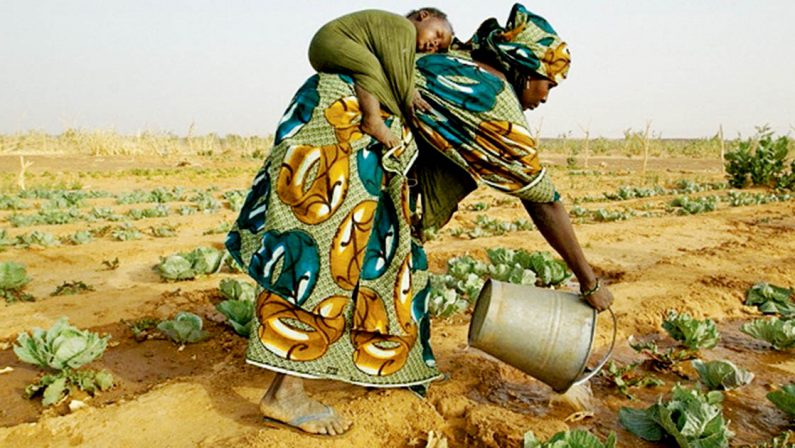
654, 255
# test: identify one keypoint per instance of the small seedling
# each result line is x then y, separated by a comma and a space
144, 328
71, 288
111, 265
626, 376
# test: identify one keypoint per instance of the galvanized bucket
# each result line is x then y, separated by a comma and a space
545, 333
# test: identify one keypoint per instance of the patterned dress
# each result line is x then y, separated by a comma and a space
326, 233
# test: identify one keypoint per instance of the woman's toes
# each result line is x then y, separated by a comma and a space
331, 430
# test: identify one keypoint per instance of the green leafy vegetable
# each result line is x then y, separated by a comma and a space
37, 238
111, 265
185, 328
661, 360
126, 232
576, 438
71, 288
234, 289
721, 374
692, 333
784, 398
548, 271
13, 279
142, 328
771, 299
625, 377
79, 237
185, 266
61, 347
784, 440
54, 387
164, 231
690, 418
455, 291
779, 333
239, 314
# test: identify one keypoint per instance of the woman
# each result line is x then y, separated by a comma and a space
329, 230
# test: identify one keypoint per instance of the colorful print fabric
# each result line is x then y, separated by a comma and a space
478, 123
527, 44
324, 232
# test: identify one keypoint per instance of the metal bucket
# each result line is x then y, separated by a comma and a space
545, 333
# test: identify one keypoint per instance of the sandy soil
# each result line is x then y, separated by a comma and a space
205, 395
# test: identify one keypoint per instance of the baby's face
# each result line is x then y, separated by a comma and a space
433, 35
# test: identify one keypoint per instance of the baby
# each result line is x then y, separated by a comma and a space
377, 49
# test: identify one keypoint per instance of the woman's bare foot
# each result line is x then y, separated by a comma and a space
287, 402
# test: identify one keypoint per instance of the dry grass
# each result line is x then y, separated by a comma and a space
105, 143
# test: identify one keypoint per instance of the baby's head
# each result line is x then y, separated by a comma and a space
434, 32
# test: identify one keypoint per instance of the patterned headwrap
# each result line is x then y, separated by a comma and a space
527, 44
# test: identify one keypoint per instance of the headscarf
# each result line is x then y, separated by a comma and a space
527, 44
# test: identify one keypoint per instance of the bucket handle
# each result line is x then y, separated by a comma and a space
590, 373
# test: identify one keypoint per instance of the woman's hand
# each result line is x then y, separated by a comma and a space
601, 299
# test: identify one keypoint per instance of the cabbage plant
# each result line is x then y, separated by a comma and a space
778, 332
721, 374
690, 419
627, 376
233, 289
576, 438
189, 265
13, 278
692, 333
771, 299
61, 347
54, 387
239, 314
784, 398
661, 360
185, 328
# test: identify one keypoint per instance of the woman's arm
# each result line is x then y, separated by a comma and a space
554, 224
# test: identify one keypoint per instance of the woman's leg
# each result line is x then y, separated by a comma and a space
286, 401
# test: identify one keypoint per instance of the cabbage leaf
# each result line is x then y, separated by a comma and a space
185, 328
721, 374
771, 299
692, 419
576, 438
784, 398
239, 314
692, 333
779, 333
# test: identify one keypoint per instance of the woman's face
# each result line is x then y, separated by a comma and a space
535, 92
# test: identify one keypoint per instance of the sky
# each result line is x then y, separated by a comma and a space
231, 67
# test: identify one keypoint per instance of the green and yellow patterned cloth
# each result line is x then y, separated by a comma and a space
324, 232
326, 228
527, 44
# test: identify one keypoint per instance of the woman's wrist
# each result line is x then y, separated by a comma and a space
590, 288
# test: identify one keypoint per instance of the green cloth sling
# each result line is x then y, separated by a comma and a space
376, 48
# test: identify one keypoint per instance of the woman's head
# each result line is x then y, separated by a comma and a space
527, 50
434, 31
533, 90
